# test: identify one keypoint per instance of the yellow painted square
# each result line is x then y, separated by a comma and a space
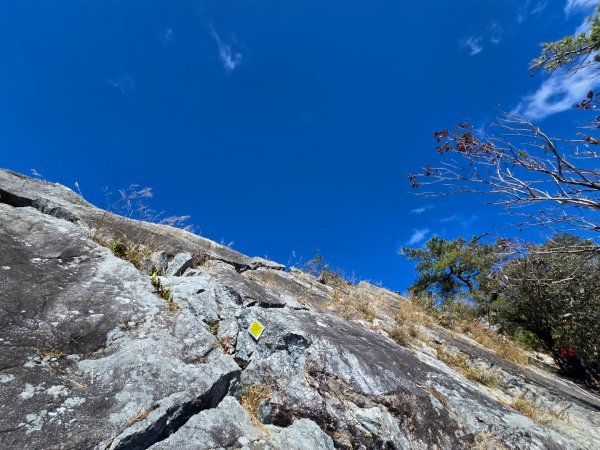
256, 329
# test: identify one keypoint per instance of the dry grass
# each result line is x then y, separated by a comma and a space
549, 418
132, 252
461, 364
501, 345
52, 353
344, 293
410, 312
486, 441
141, 416
126, 325
252, 397
349, 306
399, 335
404, 334
366, 309
409, 317
105, 231
440, 398
528, 408
413, 312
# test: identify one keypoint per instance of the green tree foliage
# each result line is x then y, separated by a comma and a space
580, 48
551, 294
554, 293
447, 268
455, 270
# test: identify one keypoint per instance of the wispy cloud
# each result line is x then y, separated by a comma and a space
473, 44
538, 8
229, 58
530, 8
421, 209
449, 219
166, 36
418, 236
494, 33
461, 220
558, 93
561, 90
123, 83
574, 5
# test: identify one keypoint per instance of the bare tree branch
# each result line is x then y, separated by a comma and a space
521, 167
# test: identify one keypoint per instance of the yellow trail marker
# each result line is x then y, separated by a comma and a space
256, 329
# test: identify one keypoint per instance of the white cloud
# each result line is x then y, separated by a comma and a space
558, 93
495, 32
123, 83
562, 89
418, 236
473, 44
229, 58
539, 7
573, 5
459, 219
449, 219
527, 10
421, 209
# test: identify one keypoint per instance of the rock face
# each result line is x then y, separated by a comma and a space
94, 354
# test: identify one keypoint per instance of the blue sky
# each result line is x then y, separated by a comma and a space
287, 127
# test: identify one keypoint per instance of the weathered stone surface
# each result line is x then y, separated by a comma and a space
249, 291
59, 200
292, 287
226, 426
256, 263
179, 264
91, 356
303, 434
86, 347
157, 263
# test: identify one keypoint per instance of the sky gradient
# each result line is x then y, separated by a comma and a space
285, 127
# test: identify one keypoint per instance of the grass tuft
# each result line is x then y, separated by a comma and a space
461, 364
52, 353
499, 344
527, 407
252, 397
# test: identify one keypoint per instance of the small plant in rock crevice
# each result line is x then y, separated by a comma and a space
126, 324
163, 293
227, 345
438, 396
399, 335
132, 252
213, 326
252, 397
142, 415
52, 353
529, 408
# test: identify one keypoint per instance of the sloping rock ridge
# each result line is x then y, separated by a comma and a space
97, 354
